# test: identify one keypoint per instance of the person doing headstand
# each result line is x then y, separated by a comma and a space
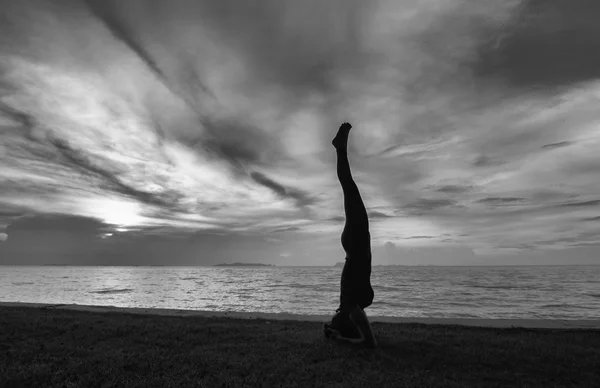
350, 323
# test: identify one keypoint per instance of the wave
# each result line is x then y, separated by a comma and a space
276, 285
113, 291
463, 315
315, 287
565, 305
389, 303
21, 283
503, 287
458, 303
388, 288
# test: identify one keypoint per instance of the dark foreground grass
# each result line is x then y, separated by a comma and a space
59, 348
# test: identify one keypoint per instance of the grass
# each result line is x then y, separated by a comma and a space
61, 348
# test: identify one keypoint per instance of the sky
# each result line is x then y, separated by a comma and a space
199, 132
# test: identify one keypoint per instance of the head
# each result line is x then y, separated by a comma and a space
342, 322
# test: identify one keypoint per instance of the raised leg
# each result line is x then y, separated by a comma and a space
355, 236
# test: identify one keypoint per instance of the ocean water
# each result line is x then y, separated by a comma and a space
566, 292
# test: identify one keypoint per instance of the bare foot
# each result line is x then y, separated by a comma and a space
340, 141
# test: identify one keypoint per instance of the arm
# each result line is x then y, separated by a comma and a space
359, 318
354, 341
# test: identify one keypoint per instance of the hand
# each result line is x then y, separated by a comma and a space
327, 330
334, 334
346, 126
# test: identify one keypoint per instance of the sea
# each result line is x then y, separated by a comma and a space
538, 292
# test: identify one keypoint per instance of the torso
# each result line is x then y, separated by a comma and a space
357, 272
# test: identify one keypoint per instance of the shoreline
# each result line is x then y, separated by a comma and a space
477, 322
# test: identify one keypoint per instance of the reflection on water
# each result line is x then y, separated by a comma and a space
483, 292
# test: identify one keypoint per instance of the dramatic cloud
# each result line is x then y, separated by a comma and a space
524, 56
58, 238
558, 145
302, 198
475, 126
500, 200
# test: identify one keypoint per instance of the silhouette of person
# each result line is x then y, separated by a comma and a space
350, 323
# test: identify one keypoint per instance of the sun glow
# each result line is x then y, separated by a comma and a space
117, 212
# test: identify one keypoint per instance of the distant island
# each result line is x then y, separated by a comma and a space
244, 265
339, 264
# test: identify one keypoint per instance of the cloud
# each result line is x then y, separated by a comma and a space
77, 160
52, 237
485, 161
17, 117
536, 48
242, 144
573, 239
424, 204
376, 214
10, 213
288, 229
173, 117
109, 13
595, 202
301, 198
7, 217
58, 222
68, 240
500, 200
557, 145
454, 189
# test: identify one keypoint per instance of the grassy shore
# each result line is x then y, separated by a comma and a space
60, 348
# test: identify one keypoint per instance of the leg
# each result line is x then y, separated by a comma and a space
355, 236
354, 208
356, 289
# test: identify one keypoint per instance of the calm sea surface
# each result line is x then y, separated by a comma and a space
458, 292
